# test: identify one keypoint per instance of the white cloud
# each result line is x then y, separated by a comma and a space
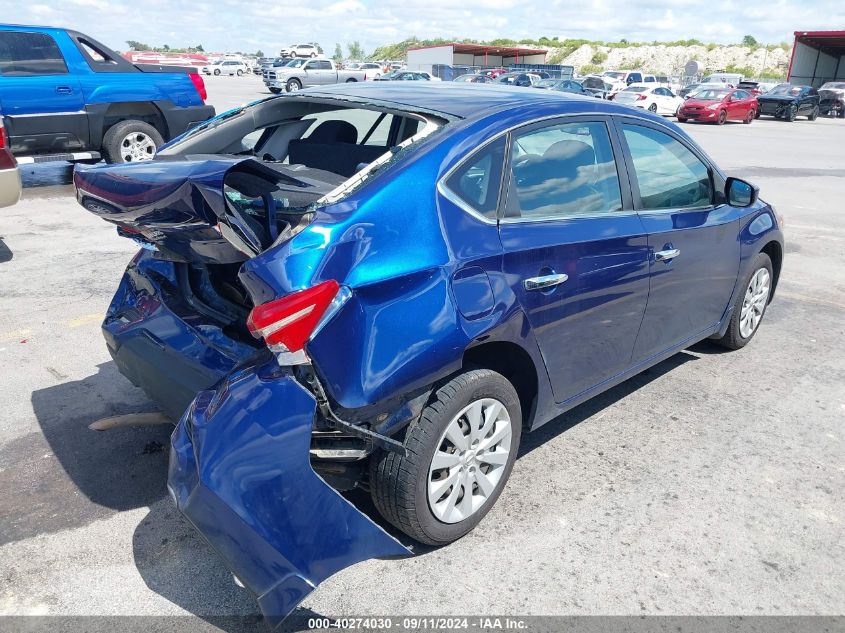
229, 25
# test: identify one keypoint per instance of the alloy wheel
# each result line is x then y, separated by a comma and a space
137, 146
469, 461
754, 303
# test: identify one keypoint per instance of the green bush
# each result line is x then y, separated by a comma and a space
599, 57
590, 69
634, 65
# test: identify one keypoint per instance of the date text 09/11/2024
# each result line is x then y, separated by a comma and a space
419, 623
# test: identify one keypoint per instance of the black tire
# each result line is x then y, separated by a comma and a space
240, 73
749, 118
399, 484
757, 115
216, 71
351, 80
293, 85
275, 91
732, 338
653, 108
119, 131
681, 119
814, 114
791, 113
723, 116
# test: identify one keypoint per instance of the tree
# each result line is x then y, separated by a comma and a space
259, 53
165, 48
750, 41
137, 46
338, 53
356, 51
317, 46
198, 48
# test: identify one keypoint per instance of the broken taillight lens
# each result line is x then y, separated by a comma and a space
288, 323
199, 84
7, 161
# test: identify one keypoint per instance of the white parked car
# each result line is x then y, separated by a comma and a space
649, 96
227, 67
300, 50
373, 70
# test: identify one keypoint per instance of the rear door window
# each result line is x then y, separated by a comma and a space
25, 54
563, 170
669, 175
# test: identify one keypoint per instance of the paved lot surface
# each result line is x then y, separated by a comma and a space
712, 484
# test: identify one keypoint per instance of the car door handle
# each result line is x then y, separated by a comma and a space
546, 281
667, 255
64, 90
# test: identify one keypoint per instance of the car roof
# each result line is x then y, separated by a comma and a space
456, 99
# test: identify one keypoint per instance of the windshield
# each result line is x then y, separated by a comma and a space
833, 85
708, 94
786, 90
614, 75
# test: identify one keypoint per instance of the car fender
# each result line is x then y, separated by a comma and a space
757, 229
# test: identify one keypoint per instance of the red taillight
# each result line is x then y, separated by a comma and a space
640, 97
7, 161
286, 324
199, 84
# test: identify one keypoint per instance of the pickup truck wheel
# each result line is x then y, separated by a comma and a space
351, 80
130, 142
293, 85
275, 91
460, 452
750, 305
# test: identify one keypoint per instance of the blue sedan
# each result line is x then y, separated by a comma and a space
385, 285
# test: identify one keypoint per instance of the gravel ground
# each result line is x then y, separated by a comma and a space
711, 484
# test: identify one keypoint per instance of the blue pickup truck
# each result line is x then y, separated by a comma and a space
65, 96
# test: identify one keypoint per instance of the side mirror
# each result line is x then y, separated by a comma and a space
740, 193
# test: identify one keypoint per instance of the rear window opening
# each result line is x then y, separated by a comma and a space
319, 134
341, 137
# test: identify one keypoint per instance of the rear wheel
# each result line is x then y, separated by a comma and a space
460, 453
351, 80
750, 117
216, 71
131, 142
652, 107
750, 306
723, 116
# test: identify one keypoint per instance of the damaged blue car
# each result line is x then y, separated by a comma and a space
382, 286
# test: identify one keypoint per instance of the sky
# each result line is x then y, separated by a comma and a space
248, 26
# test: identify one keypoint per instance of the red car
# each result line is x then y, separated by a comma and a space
718, 105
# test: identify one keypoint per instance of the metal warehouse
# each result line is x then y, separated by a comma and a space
817, 57
425, 58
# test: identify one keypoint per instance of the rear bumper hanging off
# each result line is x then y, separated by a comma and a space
240, 472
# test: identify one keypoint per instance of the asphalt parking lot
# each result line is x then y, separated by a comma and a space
712, 484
